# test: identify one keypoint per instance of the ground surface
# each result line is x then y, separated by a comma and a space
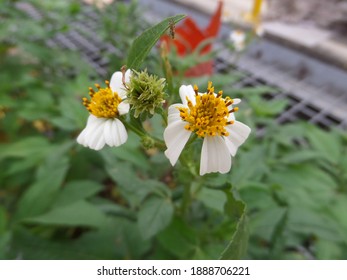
331, 14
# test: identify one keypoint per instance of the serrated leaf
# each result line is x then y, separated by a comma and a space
145, 42
154, 215
80, 213
237, 247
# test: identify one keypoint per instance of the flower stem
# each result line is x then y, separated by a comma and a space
135, 129
186, 199
158, 143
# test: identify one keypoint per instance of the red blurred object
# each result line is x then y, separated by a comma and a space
188, 36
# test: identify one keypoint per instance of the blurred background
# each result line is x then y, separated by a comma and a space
61, 201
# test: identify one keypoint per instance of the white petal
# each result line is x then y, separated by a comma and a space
92, 124
174, 113
236, 101
92, 119
238, 133
118, 133
116, 82
81, 139
123, 108
232, 147
187, 91
96, 141
108, 132
231, 117
101, 131
214, 156
93, 136
175, 137
127, 75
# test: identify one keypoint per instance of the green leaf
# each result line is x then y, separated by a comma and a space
249, 91
328, 250
5, 239
179, 239
130, 153
305, 221
249, 166
304, 185
329, 143
214, 199
132, 188
338, 211
3, 220
33, 247
144, 43
24, 148
265, 222
155, 214
40, 195
76, 190
269, 108
80, 213
237, 247
300, 156
118, 238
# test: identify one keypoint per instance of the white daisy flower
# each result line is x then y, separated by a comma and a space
105, 107
211, 117
238, 38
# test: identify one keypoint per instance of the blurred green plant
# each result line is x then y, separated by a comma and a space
62, 201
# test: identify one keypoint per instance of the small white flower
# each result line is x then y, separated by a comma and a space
211, 117
105, 107
238, 38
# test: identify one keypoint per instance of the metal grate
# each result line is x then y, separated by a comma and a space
307, 101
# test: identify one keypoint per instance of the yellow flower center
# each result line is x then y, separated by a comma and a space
104, 102
209, 116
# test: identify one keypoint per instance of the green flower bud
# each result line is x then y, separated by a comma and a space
148, 142
145, 93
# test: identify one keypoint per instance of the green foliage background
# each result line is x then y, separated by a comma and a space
59, 200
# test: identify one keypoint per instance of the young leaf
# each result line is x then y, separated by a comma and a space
144, 43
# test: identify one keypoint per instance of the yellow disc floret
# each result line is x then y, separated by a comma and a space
209, 116
104, 102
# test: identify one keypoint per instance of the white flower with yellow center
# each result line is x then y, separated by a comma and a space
238, 38
211, 117
105, 107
